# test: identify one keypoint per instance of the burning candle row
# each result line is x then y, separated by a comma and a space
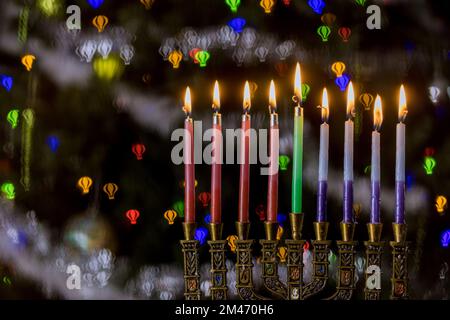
272, 193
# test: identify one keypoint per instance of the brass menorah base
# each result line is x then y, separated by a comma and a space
294, 287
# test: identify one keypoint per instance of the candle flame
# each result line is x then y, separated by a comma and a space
216, 97
324, 107
377, 114
272, 97
402, 109
247, 101
298, 84
350, 101
187, 102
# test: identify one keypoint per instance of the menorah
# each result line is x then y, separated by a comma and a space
294, 287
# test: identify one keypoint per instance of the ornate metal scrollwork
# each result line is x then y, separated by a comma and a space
294, 269
270, 268
244, 271
320, 268
399, 278
219, 289
399, 271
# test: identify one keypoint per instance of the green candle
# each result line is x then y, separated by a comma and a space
297, 167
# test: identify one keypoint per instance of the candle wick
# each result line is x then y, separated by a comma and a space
272, 109
403, 116
296, 100
186, 112
351, 115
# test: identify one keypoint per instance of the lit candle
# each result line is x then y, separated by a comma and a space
400, 159
189, 166
348, 157
272, 192
323, 161
216, 168
244, 175
297, 165
375, 164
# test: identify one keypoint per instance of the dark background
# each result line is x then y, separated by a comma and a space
96, 135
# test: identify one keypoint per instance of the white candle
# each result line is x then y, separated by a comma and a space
324, 138
400, 159
349, 128
348, 157
375, 165
400, 153
348, 151
323, 152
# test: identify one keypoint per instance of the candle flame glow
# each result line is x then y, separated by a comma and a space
247, 100
377, 114
325, 111
350, 101
298, 84
216, 97
272, 97
187, 102
402, 109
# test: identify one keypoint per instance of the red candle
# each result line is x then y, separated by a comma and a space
216, 168
272, 189
244, 176
189, 166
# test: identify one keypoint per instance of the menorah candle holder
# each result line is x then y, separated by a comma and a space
217, 246
269, 261
294, 288
374, 250
346, 268
189, 247
399, 278
244, 264
295, 258
321, 250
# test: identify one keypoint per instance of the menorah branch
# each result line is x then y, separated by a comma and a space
219, 289
374, 250
295, 257
269, 261
321, 250
191, 263
294, 268
346, 268
244, 264
399, 280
